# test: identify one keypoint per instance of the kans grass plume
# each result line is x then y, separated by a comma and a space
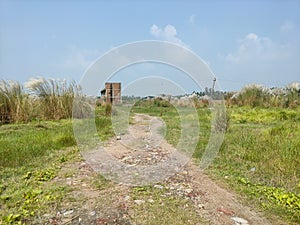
56, 97
258, 95
14, 103
41, 98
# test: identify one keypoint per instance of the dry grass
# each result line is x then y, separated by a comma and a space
41, 99
15, 105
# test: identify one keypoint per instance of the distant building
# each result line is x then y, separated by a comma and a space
112, 93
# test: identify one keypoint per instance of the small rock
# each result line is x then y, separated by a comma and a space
253, 169
239, 221
188, 190
139, 202
158, 186
118, 137
69, 212
227, 212
201, 206
184, 172
127, 198
93, 213
150, 200
69, 181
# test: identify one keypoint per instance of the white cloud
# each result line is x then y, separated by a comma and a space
256, 59
252, 36
168, 33
192, 19
255, 48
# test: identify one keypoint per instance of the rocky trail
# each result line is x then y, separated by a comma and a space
96, 201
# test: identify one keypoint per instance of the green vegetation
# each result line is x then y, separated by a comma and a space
255, 95
259, 157
31, 156
27, 191
24, 143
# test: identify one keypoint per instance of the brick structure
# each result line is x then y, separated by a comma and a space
112, 93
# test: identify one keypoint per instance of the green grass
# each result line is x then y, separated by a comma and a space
260, 138
22, 144
27, 191
266, 141
26, 142
30, 157
32, 154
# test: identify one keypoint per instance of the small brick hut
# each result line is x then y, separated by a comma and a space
112, 93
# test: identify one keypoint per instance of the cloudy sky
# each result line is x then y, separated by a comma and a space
241, 41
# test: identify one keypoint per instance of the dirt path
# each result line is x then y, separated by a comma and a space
143, 145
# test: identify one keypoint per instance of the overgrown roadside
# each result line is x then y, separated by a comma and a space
67, 191
54, 185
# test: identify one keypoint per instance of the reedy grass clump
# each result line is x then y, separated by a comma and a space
55, 97
15, 105
41, 99
255, 95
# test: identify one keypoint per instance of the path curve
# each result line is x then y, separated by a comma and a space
141, 147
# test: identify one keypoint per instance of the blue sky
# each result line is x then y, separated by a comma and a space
242, 41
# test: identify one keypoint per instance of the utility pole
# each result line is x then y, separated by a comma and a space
214, 82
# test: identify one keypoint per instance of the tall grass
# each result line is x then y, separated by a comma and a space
55, 97
15, 105
257, 95
41, 99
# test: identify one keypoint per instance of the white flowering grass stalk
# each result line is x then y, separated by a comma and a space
258, 95
55, 96
15, 105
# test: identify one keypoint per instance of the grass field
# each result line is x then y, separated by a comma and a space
31, 155
259, 159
